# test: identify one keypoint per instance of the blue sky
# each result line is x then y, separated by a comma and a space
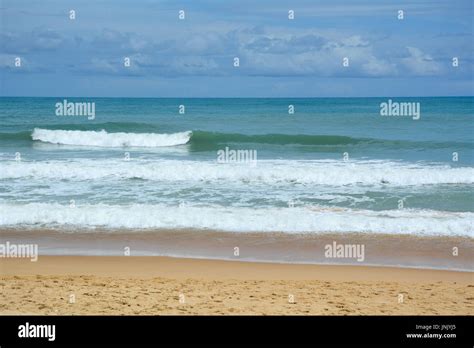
278, 57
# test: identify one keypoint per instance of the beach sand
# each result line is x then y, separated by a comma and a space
118, 285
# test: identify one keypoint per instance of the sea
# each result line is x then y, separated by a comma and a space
294, 168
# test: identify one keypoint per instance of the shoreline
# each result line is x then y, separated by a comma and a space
196, 268
251, 261
141, 285
383, 250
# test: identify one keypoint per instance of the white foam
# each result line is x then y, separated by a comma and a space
290, 220
286, 172
104, 139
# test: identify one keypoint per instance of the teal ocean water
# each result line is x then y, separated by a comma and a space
334, 165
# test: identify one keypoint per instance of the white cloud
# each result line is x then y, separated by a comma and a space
420, 63
379, 67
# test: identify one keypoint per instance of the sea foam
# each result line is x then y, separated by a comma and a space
278, 172
240, 219
104, 139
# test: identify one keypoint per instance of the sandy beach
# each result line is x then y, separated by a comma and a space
161, 285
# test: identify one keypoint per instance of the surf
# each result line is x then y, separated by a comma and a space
271, 172
310, 219
104, 139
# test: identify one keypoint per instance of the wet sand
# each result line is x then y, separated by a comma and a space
379, 249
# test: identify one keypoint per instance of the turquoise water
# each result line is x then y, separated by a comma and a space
398, 175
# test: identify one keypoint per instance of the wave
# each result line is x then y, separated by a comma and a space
104, 139
289, 220
210, 138
26, 135
199, 140
202, 140
272, 172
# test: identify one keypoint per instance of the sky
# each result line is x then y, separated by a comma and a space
278, 56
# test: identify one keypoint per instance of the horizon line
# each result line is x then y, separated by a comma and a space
177, 97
